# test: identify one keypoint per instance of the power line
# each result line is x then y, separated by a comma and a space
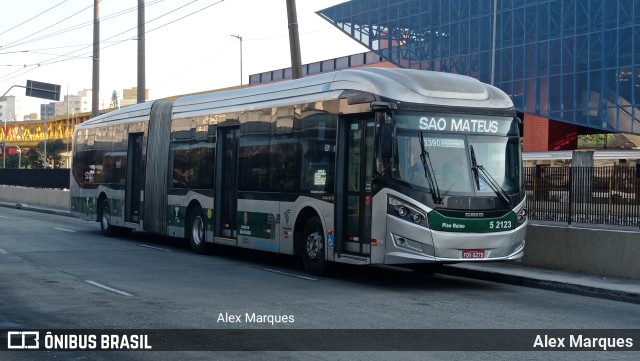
51, 48
43, 29
68, 55
26, 21
185, 69
76, 27
85, 55
126, 31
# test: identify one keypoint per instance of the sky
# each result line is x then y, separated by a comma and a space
189, 44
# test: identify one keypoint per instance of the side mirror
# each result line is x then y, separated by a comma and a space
386, 140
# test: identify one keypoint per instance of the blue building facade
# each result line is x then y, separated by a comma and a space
574, 61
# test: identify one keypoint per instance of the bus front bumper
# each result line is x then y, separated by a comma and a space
451, 247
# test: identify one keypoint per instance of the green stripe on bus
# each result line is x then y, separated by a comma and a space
438, 222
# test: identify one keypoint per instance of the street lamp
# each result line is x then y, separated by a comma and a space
45, 143
6, 138
67, 131
4, 146
240, 38
19, 157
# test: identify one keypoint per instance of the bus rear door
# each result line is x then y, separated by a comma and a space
134, 178
226, 191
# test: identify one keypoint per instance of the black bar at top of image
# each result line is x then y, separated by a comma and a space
365, 339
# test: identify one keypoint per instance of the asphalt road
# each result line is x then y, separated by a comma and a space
59, 272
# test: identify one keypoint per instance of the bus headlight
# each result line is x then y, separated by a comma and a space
406, 211
402, 211
521, 217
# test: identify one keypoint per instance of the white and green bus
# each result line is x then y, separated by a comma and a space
370, 166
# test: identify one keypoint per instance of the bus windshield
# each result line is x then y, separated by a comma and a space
451, 162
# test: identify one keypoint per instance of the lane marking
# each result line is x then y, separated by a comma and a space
66, 230
290, 274
3, 251
109, 288
152, 247
4, 217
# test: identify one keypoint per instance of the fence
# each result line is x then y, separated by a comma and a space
598, 195
603, 195
36, 178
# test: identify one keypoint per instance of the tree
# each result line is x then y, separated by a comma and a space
592, 141
13, 160
35, 158
55, 148
114, 100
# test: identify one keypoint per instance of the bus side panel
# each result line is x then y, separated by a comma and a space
176, 213
257, 227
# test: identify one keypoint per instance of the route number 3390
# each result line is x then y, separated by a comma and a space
500, 225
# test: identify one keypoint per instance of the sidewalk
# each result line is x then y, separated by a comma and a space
516, 273
619, 289
36, 208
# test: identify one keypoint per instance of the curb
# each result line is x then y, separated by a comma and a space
582, 290
27, 207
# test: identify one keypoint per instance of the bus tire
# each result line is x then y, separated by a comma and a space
108, 230
313, 255
196, 231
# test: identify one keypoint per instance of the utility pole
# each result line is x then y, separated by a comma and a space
141, 54
294, 40
95, 93
240, 38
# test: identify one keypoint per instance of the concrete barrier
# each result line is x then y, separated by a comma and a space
602, 252
49, 198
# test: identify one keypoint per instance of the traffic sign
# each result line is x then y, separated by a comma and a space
43, 90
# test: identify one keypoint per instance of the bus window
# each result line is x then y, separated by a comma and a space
181, 173
202, 161
317, 152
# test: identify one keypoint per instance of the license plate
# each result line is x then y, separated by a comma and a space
473, 253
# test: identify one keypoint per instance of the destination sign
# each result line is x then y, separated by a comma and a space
457, 124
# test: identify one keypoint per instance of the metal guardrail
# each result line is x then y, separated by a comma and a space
36, 178
596, 195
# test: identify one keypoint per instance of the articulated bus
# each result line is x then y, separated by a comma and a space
370, 166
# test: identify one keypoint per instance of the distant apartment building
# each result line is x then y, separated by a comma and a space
30, 116
72, 104
10, 109
47, 110
130, 96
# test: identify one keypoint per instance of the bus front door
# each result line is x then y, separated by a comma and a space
226, 200
134, 178
353, 196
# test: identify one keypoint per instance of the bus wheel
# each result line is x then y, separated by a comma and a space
314, 257
108, 230
195, 231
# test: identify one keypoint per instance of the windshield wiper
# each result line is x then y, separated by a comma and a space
474, 168
429, 173
480, 171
